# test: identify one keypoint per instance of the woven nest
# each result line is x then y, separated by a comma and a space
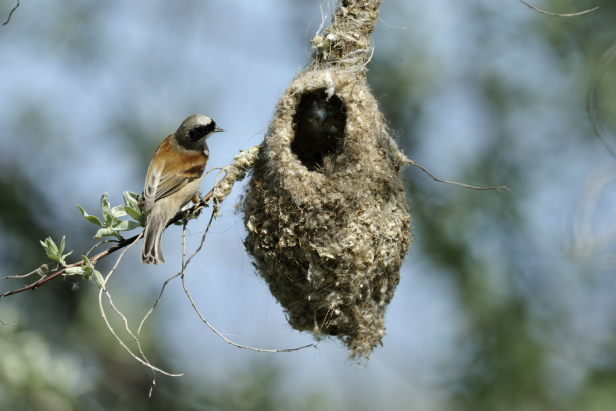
325, 209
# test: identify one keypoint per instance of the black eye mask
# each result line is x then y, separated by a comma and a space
201, 131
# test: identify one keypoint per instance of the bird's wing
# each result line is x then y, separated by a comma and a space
152, 178
170, 170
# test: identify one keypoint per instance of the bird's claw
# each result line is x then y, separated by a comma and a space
201, 198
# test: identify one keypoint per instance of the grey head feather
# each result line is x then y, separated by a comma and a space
193, 131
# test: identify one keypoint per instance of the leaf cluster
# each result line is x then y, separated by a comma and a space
111, 225
54, 252
86, 270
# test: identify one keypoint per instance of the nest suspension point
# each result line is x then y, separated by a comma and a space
325, 209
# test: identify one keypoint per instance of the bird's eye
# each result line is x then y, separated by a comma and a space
201, 131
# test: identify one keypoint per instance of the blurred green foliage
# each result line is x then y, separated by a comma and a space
520, 349
516, 329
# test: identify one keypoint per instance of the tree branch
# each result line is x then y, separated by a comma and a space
194, 210
413, 163
556, 14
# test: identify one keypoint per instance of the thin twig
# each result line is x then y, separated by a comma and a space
207, 199
212, 169
11, 14
192, 302
134, 338
184, 265
9, 324
157, 301
225, 338
427, 198
556, 14
413, 163
122, 315
102, 309
40, 271
99, 243
207, 229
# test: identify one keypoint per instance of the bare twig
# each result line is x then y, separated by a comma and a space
11, 14
427, 198
212, 169
40, 271
118, 311
9, 324
413, 163
207, 198
100, 243
184, 244
207, 229
134, 338
157, 301
185, 264
556, 14
192, 302
225, 338
102, 309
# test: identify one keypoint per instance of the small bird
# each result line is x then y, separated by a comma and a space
173, 179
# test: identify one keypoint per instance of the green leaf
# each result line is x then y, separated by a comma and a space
86, 268
126, 225
50, 248
105, 209
90, 218
98, 279
74, 270
53, 248
117, 211
105, 232
63, 256
135, 214
44, 244
130, 199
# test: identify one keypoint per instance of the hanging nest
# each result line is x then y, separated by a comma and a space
325, 209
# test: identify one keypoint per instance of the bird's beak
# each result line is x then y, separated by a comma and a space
218, 130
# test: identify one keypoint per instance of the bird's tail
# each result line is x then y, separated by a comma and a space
151, 250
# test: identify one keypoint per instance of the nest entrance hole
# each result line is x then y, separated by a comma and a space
319, 123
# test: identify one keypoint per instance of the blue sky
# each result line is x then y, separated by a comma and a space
154, 63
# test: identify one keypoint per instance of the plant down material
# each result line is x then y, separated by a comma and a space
325, 209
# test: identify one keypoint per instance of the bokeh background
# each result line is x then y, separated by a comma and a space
506, 300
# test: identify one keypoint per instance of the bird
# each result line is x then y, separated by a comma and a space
173, 179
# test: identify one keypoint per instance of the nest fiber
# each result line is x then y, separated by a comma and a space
325, 209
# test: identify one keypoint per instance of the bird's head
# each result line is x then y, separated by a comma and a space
196, 129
